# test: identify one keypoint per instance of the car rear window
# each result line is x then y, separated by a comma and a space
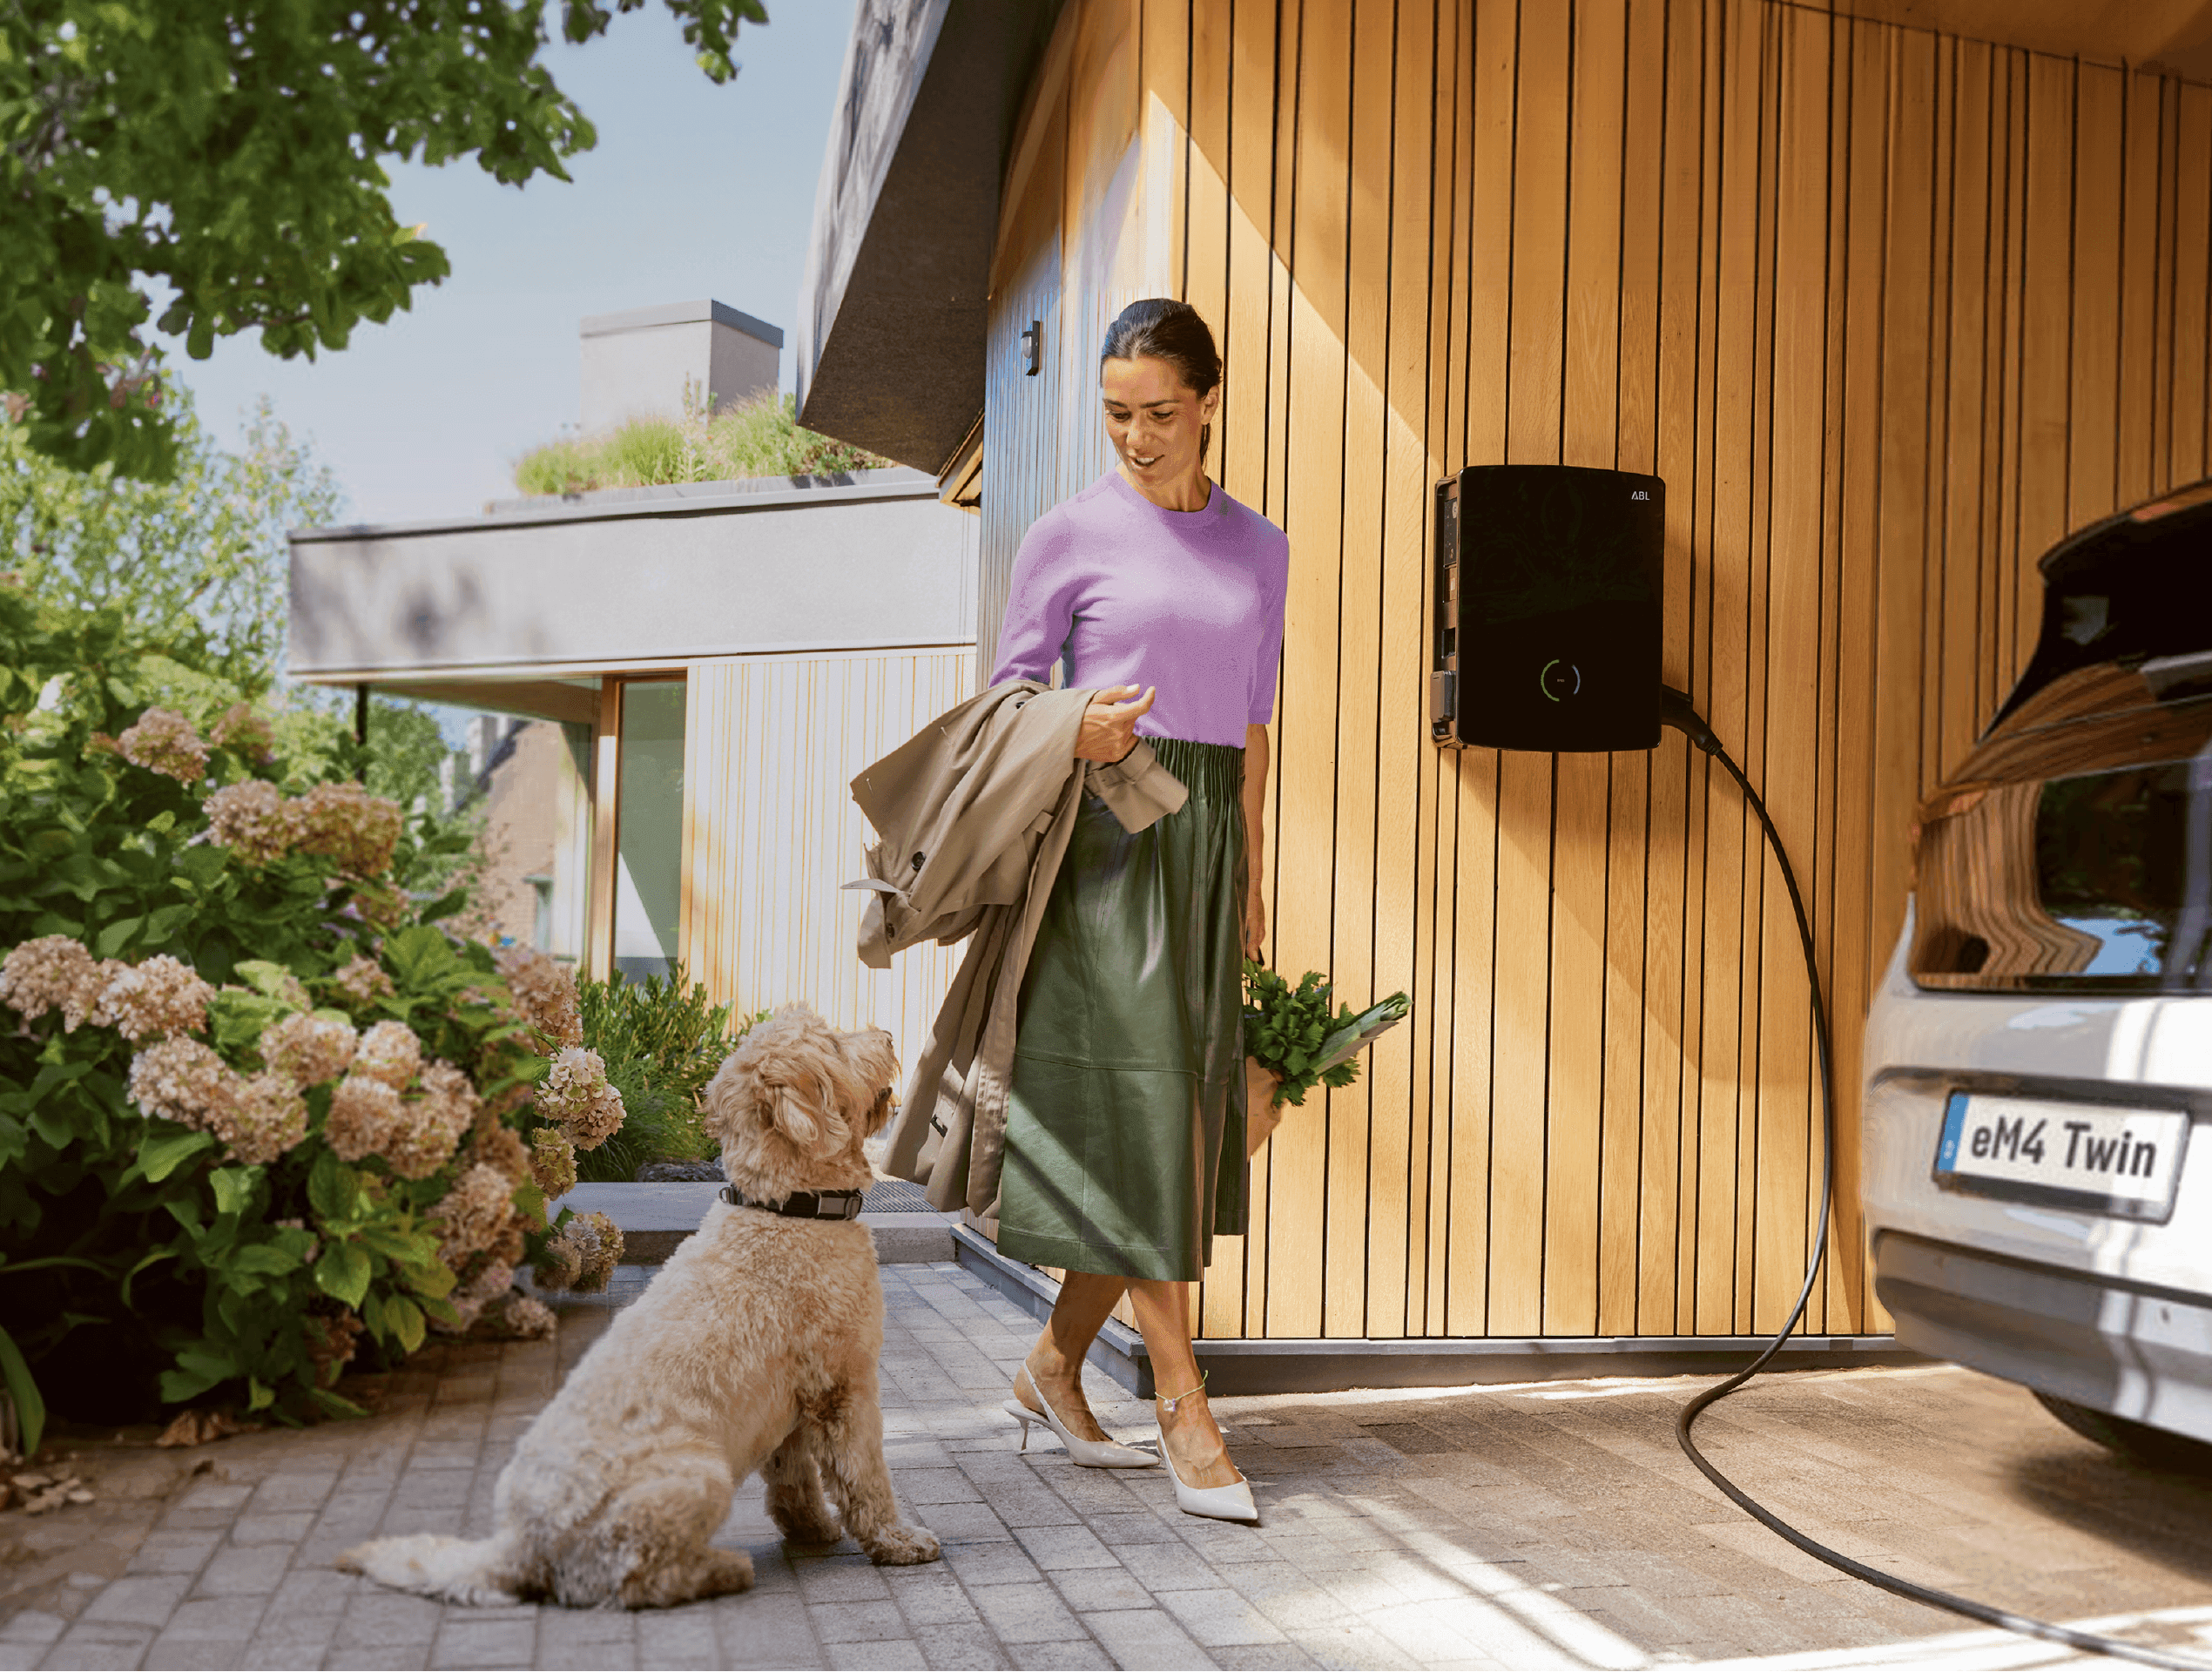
2072, 851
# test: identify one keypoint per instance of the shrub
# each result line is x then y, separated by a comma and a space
662, 1042
258, 1107
754, 438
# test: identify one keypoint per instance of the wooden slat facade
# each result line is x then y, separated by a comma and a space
771, 830
1890, 311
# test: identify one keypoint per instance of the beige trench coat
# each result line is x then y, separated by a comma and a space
973, 815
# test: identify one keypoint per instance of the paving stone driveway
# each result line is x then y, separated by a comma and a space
1532, 1526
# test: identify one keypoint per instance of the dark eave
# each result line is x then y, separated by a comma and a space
890, 339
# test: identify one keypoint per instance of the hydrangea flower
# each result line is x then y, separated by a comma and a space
164, 741
390, 1052
308, 1049
544, 990
469, 1301
363, 979
181, 1079
157, 997
55, 972
501, 1148
602, 1250
238, 727
253, 820
575, 1097
552, 1162
472, 1214
559, 1263
365, 1115
266, 1117
518, 1317
345, 823
332, 1341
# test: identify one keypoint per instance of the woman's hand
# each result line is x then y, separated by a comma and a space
1255, 920
1109, 727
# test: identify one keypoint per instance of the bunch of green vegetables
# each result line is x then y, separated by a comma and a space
1292, 1031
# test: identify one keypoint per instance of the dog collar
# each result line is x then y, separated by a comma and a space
803, 1204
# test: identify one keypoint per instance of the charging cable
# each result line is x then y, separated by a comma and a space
1677, 710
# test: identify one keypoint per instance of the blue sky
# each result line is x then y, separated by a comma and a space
693, 191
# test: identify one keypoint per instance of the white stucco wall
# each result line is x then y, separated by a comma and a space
712, 569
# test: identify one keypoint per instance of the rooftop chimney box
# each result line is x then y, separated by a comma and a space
637, 364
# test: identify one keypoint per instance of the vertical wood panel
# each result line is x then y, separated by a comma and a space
1314, 437
770, 744
1889, 311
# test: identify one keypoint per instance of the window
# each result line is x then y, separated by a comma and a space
649, 824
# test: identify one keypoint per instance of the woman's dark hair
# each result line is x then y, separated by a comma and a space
1160, 328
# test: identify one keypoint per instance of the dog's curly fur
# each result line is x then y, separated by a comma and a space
755, 1348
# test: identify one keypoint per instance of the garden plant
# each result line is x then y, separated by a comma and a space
261, 1111
660, 1038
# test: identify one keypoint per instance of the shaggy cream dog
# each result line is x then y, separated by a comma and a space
755, 1348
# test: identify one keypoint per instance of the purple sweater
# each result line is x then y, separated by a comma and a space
1128, 594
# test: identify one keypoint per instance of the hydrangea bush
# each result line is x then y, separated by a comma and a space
258, 1108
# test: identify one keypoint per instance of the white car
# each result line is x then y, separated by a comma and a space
2038, 1129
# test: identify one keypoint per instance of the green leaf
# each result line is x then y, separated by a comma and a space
234, 1188
406, 1319
445, 904
433, 1279
529, 1202
130, 1277
202, 865
419, 954
343, 1273
406, 1247
117, 935
163, 923
259, 1394
30, 1409
198, 1371
375, 1314
337, 1405
334, 1189
167, 1147
268, 978
441, 1311
264, 1260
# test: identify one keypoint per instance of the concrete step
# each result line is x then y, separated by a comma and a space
654, 1218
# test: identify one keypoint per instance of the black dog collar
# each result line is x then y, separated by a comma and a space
803, 1204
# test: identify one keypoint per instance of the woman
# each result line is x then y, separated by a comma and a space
1125, 1123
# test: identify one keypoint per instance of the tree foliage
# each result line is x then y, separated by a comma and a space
204, 549
223, 161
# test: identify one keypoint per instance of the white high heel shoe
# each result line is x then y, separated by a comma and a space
1085, 1454
1231, 1503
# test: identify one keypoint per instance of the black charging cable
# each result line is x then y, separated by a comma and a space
1677, 710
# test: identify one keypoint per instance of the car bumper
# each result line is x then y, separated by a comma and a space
2099, 1341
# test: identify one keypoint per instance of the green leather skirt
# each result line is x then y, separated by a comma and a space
1126, 1124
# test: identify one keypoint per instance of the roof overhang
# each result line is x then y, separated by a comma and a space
2166, 36
892, 312
630, 580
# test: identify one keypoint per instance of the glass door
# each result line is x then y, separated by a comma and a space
643, 886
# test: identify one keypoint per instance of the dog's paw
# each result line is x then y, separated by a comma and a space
903, 1546
815, 1523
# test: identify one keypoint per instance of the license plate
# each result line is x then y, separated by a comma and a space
2122, 1162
